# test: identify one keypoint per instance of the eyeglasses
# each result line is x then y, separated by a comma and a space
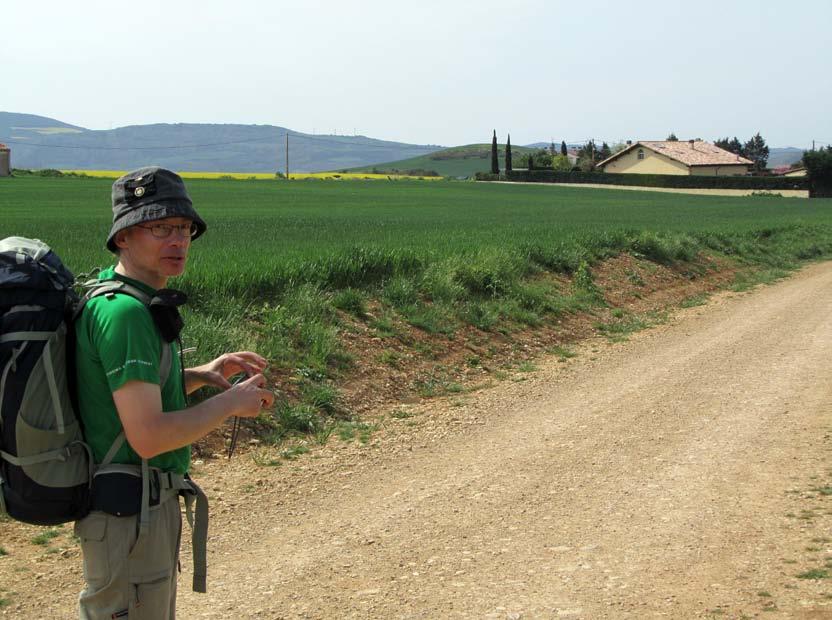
163, 231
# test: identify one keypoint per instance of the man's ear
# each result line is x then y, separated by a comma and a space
121, 239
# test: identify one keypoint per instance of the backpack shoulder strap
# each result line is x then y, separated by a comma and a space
97, 288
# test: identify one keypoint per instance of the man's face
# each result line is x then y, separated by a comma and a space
157, 256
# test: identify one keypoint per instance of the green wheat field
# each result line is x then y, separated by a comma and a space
280, 259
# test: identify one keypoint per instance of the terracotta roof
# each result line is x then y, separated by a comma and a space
700, 153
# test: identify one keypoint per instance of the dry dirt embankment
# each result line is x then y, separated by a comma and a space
683, 474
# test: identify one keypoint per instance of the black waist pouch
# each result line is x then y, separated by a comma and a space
118, 494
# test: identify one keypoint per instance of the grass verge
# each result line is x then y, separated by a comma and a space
496, 293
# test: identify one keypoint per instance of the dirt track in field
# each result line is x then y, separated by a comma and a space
683, 474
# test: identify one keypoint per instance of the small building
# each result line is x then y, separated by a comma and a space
800, 171
694, 157
5, 161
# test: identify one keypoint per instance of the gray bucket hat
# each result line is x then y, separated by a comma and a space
148, 194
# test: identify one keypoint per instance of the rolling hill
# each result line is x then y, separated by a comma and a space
41, 142
457, 161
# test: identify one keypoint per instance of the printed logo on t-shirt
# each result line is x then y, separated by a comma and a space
126, 364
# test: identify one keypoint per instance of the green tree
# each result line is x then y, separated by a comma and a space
819, 171
587, 156
543, 158
618, 147
508, 154
561, 163
604, 152
756, 150
731, 145
495, 162
672, 137
563, 150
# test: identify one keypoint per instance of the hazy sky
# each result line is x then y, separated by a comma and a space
439, 72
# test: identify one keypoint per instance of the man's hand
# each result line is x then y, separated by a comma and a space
217, 372
150, 431
249, 397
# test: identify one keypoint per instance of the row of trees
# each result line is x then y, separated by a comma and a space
552, 158
755, 149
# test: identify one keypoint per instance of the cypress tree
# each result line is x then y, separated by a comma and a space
757, 151
508, 154
563, 150
495, 163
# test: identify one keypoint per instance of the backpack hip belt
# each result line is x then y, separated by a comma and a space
158, 487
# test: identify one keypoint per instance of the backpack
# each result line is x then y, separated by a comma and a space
46, 468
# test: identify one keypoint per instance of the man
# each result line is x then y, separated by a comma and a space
131, 398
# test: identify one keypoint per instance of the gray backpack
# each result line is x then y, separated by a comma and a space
46, 468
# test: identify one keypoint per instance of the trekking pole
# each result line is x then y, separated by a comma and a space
235, 427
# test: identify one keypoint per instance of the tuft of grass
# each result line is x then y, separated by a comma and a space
352, 301
400, 414
436, 383
390, 358
526, 367
294, 452
433, 319
322, 396
323, 434
584, 285
694, 300
745, 281
349, 431
299, 418
618, 329
815, 573
482, 314
384, 326
634, 277
400, 292
45, 536
562, 352
264, 460
3, 552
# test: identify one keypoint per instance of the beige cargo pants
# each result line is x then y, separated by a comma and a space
126, 580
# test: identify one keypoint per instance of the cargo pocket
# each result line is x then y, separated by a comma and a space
150, 600
92, 530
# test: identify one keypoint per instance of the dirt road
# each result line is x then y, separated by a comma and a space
683, 474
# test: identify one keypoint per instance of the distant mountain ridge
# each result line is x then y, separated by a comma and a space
41, 142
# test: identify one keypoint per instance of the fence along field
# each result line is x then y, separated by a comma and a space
280, 257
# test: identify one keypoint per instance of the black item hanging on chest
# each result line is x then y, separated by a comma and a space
164, 308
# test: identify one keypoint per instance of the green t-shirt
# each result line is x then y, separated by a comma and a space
118, 342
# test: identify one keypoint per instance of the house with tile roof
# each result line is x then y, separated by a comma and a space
694, 157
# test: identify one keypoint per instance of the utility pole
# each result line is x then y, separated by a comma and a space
287, 155
813, 145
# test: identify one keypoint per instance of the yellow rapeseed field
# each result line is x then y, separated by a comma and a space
347, 176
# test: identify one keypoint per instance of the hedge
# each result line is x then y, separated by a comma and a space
651, 180
819, 170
